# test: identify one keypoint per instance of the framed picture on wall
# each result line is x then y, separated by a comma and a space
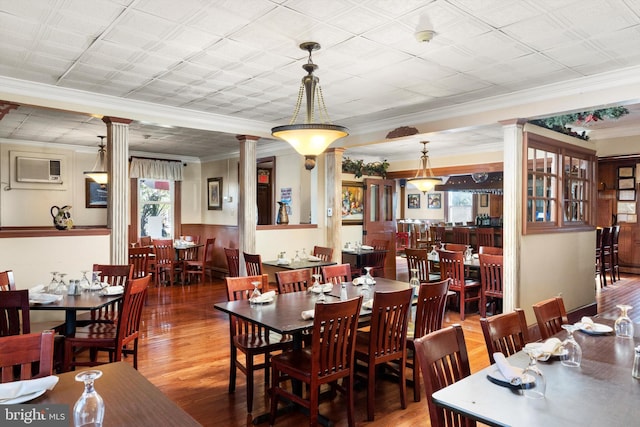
484, 200
413, 201
352, 203
95, 194
214, 193
434, 201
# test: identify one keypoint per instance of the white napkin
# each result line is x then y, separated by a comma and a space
509, 372
282, 261
36, 289
327, 287
314, 258
42, 298
361, 281
308, 314
368, 304
267, 296
16, 389
587, 323
367, 247
551, 346
113, 290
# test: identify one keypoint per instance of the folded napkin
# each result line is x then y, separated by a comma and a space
327, 287
43, 298
267, 296
16, 389
361, 281
587, 323
314, 258
367, 247
283, 261
510, 373
36, 289
368, 304
551, 346
308, 314
113, 290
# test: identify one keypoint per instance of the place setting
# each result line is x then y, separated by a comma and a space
23, 391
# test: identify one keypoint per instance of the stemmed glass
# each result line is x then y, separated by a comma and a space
95, 281
255, 295
84, 281
317, 288
624, 325
53, 285
368, 278
62, 288
572, 353
533, 383
89, 409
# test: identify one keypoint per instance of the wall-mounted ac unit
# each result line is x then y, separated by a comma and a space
33, 169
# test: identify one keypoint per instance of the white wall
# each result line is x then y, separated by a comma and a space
193, 197
228, 171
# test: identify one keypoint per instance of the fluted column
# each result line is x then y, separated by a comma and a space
512, 211
248, 187
118, 187
333, 160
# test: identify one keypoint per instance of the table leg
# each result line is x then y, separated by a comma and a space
70, 323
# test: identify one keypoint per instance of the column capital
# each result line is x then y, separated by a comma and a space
336, 150
247, 138
510, 122
111, 120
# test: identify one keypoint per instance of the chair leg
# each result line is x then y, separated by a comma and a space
348, 381
462, 304
249, 375
483, 305
403, 383
274, 396
371, 386
313, 406
232, 370
416, 379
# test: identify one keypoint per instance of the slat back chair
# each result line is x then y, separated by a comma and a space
331, 358
605, 256
432, 301
325, 254
253, 263
485, 236
437, 234
336, 274
491, 269
114, 275
199, 267
443, 361
293, 280
7, 281
505, 333
378, 260
461, 235
598, 260
233, 261
113, 338
139, 259
386, 341
14, 313
144, 241
165, 261
250, 338
418, 259
452, 267
550, 316
615, 267
490, 250
26, 353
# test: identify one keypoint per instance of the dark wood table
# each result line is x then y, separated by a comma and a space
601, 392
358, 258
129, 398
71, 304
270, 267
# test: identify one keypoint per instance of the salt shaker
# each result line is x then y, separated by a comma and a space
635, 372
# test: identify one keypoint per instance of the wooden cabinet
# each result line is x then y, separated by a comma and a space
495, 205
606, 208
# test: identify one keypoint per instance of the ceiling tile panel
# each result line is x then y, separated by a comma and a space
170, 10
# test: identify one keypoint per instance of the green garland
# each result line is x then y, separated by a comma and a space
359, 168
559, 123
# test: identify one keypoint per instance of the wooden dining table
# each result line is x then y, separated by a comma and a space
71, 304
129, 398
601, 392
359, 258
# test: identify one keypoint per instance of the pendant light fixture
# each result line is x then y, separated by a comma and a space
99, 172
424, 179
310, 138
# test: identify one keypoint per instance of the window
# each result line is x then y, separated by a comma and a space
155, 208
459, 207
560, 190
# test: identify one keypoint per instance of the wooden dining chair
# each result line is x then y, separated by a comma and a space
615, 249
114, 275
293, 280
461, 235
323, 253
437, 234
253, 263
7, 281
336, 274
14, 313
330, 358
250, 338
550, 316
485, 236
385, 341
233, 261
145, 241
139, 259
165, 261
199, 267
605, 256
26, 354
491, 269
432, 301
418, 259
490, 250
118, 338
443, 360
377, 260
505, 333
452, 267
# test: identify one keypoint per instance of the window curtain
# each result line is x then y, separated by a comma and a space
155, 169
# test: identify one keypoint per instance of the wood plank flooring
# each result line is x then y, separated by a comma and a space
184, 351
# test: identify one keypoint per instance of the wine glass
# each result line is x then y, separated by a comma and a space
95, 281
533, 383
89, 409
414, 282
624, 325
253, 299
368, 278
62, 288
572, 353
53, 285
84, 281
297, 257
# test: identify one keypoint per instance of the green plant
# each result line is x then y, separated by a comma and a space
562, 123
359, 168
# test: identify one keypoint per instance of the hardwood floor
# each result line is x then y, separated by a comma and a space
184, 351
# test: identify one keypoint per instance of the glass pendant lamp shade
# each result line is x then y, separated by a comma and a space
424, 179
99, 172
310, 139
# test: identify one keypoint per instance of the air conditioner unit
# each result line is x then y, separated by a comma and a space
33, 169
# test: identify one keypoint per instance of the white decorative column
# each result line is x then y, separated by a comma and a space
512, 211
247, 207
118, 187
333, 159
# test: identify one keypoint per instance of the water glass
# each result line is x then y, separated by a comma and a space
534, 385
624, 324
572, 352
89, 409
255, 295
